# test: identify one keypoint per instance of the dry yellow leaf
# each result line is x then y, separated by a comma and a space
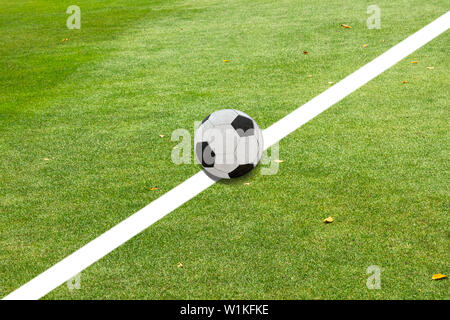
46, 159
438, 276
64, 40
161, 136
153, 188
246, 183
430, 68
278, 161
330, 82
364, 46
226, 60
328, 220
309, 76
180, 265
346, 26
414, 62
404, 81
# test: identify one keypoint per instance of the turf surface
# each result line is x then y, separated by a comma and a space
80, 148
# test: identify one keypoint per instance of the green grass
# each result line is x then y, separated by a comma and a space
95, 106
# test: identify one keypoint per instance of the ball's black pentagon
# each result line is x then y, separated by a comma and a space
241, 170
243, 126
205, 154
204, 120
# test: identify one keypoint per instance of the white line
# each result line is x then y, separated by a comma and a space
128, 228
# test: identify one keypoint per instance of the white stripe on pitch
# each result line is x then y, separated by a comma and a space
128, 228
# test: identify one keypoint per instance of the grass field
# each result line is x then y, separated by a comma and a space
80, 148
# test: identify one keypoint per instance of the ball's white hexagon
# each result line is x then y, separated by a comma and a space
200, 132
226, 167
222, 139
241, 113
260, 140
224, 116
247, 150
217, 173
233, 139
225, 158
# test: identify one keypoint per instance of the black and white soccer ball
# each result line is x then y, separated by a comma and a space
228, 143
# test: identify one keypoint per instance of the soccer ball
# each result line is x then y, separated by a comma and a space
228, 143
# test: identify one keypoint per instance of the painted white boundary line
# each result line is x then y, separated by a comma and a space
128, 228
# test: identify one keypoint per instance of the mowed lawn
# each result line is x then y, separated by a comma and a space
80, 148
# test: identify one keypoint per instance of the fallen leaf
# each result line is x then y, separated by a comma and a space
180, 265
328, 220
382, 40
330, 82
364, 46
226, 60
64, 40
278, 161
415, 62
153, 188
309, 75
246, 183
305, 52
46, 159
346, 26
430, 68
161, 136
438, 276
404, 81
